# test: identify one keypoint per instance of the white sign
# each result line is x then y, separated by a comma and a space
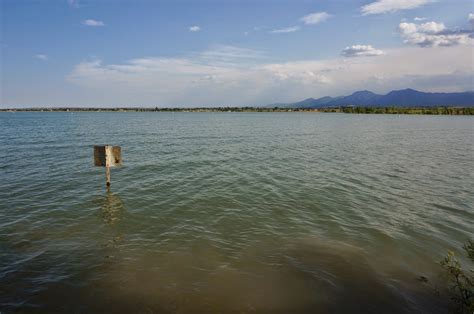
107, 156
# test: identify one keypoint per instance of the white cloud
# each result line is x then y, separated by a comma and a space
432, 34
227, 75
259, 28
94, 23
386, 6
194, 28
471, 19
361, 51
419, 19
225, 54
41, 57
73, 4
290, 29
315, 18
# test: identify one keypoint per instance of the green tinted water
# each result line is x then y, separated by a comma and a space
224, 212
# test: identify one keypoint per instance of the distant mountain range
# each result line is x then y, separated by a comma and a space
398, 98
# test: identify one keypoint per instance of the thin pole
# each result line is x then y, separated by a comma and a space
107, 177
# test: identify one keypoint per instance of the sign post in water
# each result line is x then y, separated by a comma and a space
107, 156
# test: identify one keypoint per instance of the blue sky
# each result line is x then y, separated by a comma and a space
211, 53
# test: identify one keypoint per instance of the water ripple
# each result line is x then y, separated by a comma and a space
231, 212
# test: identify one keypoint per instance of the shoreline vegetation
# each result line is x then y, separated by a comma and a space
446, 110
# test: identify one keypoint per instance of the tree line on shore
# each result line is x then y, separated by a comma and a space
405, 110
446, 110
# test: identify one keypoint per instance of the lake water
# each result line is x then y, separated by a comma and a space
232, 212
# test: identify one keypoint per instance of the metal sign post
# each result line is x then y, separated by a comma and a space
107, 156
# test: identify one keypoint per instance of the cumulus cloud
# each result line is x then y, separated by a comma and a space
290, 29
227, 75
315, 18
361, 51
432, 34
41, 57
194, 28
419, 19
387, 6
94, 23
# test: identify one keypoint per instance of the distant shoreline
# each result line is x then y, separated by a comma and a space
350, 109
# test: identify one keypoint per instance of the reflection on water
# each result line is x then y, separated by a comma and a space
112, 209
112, 212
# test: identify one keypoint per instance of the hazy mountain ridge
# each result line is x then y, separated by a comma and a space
398, 98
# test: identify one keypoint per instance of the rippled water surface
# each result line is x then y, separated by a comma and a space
231, 212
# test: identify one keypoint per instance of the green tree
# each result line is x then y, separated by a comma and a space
461, 282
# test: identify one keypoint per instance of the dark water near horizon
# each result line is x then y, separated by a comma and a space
232, 212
